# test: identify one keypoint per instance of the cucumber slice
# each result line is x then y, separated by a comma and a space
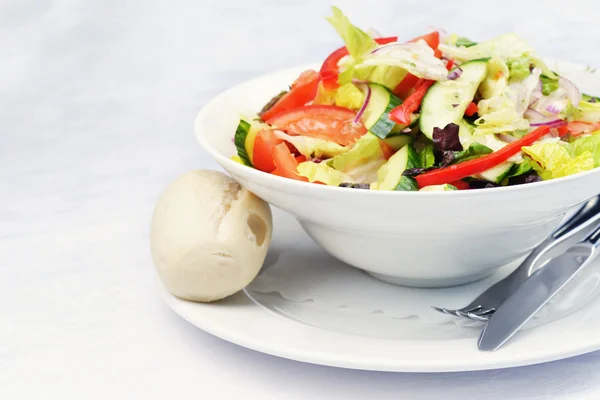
389, 175
244, 138
495, 174
375, 117
445, 102
438, 188
241, 134
399, 141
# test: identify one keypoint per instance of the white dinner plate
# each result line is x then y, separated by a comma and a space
307, 306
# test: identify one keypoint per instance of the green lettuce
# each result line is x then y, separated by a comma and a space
498, 112
463, 41
321, 172
508, 46
349, 96
313, 147
362, 161
388, 76
426, 156
554, 160
587, 112
357, 41
549, 85
590, 144
519, 67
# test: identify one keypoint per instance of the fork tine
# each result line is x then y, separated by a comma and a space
470, 309
462, 312
485, 313
479, 318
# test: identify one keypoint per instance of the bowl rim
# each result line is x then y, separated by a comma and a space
204, 115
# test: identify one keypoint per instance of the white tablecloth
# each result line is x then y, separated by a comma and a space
97, 100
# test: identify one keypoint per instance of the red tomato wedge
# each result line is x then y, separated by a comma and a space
459, 171
303, 90
388, 151
577, 128
320, 121
329, 70
285, 163
262, 155
432, 39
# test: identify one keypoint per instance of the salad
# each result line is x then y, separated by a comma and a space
435, 113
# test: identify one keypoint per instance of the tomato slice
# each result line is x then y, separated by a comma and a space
329, 70
388, 151
432, 39
459, 171
262, 155
577, 128
285, 163
320, 121
303, 90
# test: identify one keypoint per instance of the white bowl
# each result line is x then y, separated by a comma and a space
426, 239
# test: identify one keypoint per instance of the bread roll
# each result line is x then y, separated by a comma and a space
209, 236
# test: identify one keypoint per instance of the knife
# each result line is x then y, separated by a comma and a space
536, 291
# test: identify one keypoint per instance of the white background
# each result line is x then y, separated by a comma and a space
97, 100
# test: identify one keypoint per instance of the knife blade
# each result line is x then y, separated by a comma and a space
531, 296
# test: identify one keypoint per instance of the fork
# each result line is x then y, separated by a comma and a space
484, 306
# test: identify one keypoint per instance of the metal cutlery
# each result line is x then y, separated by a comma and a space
536, 291
486, 304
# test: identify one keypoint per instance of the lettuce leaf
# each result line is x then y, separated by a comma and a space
519, 67
502, 106
587, 112
590, 144
313, 147
386, 76
357, 41
321, 172
362, 161
417, 58
507, 46
349, 96
553, 160
549, 85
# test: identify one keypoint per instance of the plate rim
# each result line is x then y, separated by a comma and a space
201, 315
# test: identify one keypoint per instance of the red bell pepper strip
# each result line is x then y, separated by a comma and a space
401, 114
459, 171
461, 185
406, 85
303, 90
329, 70
471, 109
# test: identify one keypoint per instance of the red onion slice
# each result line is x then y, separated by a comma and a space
455, 73
364, 105
572, 91
557, 123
